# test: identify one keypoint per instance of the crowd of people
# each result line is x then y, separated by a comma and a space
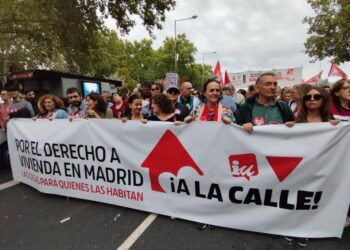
261, 104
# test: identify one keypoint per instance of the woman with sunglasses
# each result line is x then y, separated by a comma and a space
315, 107
340, 95
211, 109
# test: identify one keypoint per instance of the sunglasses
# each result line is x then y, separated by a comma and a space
315, 97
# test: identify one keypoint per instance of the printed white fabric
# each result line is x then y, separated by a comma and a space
277, 180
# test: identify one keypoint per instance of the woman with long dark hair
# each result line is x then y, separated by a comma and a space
314, 108
97, 107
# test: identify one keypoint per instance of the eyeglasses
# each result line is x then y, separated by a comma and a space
315, 97
211, 115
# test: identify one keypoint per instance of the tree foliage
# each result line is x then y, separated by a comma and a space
40, 33
329, 30
151, 12
70, 36
187, 69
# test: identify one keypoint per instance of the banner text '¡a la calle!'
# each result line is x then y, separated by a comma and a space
304, 200
49, 151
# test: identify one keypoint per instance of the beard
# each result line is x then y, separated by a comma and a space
30, 99
76, 103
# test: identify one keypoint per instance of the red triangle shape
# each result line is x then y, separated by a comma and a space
283, 166
168, 155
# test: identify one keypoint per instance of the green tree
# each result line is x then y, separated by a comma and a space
41, 33
329, 30
187, 69
109, 54
142, 60
151, 12
165, 58
64, 34
124, 75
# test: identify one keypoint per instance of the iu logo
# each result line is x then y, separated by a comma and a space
243, 165
168, 155
259, 121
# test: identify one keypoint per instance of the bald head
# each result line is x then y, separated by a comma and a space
186, 89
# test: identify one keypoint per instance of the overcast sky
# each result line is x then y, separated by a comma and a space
247, 34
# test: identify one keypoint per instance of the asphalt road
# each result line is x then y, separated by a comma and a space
33, 220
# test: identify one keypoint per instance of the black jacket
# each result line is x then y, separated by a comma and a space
245, 111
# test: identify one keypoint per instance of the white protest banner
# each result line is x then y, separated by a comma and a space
285, 77
277, 180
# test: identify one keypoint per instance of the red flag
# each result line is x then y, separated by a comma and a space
217, 71
227, 79
336, 71
315, 78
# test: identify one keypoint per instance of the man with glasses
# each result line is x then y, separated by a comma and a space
156, 89
4, 109
264, 108
186, 97
77, 108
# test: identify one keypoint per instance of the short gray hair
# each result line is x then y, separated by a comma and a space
264, 74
